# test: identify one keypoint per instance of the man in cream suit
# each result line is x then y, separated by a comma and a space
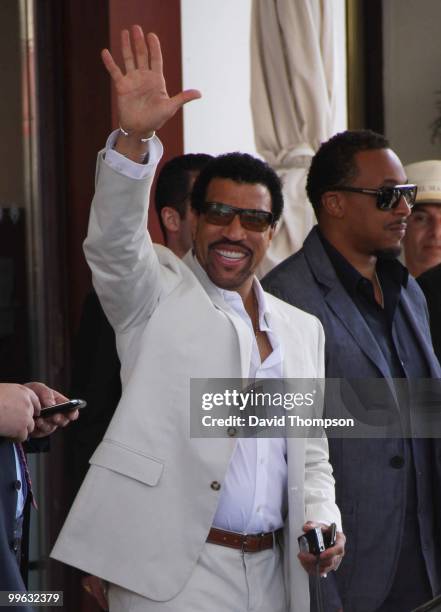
176, 523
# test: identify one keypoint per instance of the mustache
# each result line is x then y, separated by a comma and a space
227, 242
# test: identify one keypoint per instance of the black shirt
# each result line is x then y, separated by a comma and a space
389, 325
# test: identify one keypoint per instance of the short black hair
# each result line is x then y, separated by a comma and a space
334, 162
173, 184
241, 168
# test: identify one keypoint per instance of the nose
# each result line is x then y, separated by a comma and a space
403, 208
436, 229
234, 230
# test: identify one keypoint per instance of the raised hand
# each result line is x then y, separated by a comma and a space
143, 102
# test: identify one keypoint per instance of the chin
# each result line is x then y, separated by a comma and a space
231, 283
389, 253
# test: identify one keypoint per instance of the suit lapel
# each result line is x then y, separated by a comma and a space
418, 323
340, 303
291, 344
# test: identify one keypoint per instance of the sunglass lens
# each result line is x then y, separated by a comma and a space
255, 221
410, 195
218, 214
387, 198
223, 214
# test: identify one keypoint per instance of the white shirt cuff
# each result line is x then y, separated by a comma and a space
126, 166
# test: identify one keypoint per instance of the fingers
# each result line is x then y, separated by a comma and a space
44, 394
18, 405
310, 525
142, 54
185, 96
26, 426
331, 558
43, 427
97, 589
35, 401
155, 52
59, 398
30, 426
61, 420
328, 560
111, 66
126, 50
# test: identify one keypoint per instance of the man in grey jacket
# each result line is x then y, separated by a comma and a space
376, 326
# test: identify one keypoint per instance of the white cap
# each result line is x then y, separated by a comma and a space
427, 176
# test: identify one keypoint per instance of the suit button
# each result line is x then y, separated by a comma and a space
17, 485
231, 431
397, 462
15, 544
215, 485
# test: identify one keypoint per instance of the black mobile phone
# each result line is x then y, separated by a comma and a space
330, 535
73, 404
312, 541
315, 541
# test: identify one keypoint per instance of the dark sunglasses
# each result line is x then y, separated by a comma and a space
387, 197
250, 218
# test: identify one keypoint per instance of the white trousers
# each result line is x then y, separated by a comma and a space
224, 580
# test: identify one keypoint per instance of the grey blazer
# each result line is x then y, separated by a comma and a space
370, 489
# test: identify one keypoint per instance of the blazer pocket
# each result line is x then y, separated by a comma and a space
128, 462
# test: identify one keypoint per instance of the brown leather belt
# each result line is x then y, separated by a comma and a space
249, 543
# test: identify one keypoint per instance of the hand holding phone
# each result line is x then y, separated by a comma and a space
73, 404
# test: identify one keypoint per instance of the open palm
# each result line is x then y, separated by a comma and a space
143, 102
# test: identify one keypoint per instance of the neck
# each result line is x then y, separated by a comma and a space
364, 264
176, 247
251, 305
414, 268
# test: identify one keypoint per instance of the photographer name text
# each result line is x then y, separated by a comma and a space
286, 420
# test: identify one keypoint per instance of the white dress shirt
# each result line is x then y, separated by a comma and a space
20, 497
253, 492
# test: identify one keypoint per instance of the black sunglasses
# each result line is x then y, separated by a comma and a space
251, 219
387, 197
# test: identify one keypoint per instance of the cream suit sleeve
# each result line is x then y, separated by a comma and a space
125, 269
320, 503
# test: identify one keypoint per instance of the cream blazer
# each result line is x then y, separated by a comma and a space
143, 513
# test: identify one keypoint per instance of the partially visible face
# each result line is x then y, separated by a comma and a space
368, 230
230, 254
422, 243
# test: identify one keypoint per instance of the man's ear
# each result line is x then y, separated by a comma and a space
272, 231
332, 203
171, 219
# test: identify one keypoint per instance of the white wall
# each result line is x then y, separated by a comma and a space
339, 7
412, 60
215, 59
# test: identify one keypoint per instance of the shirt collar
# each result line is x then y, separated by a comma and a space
350, 277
